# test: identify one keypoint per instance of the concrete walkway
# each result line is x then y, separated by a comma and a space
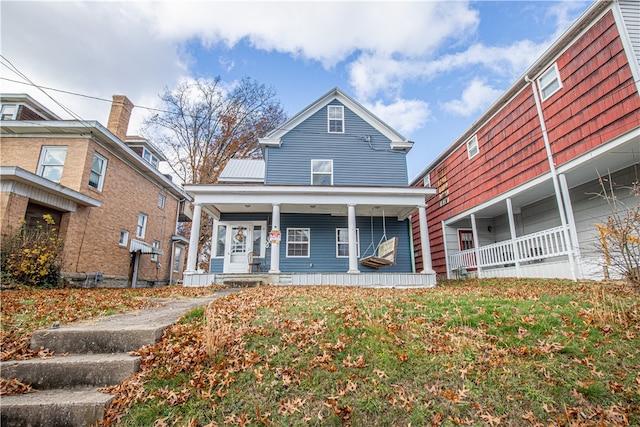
93, 355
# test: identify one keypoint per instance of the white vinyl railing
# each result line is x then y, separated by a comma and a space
532, 247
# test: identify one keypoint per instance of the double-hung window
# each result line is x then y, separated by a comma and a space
146, 154
142, 225
161, 200
321, 172
335, 116
472, 147
298, 240
549, 83
98, 168
52, 162
342, 242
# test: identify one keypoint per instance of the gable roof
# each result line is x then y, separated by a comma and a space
398, 142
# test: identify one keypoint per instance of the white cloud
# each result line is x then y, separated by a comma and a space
475, 98
94, 48
404, 115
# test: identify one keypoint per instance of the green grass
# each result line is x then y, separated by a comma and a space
513, 352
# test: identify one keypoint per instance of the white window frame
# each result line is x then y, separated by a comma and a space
12, 115
332, 118
100, 174
161, 200
216, 238
141, 228
547, 79
426, 181
150, 158
124, 238
472, 147
307, 243
338, 242
156, 245
313, 173
42, 167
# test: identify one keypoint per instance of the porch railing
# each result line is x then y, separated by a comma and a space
531, 247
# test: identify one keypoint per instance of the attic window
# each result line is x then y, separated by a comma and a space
472, 147
8, 112
146, 154
335, 115
549, 83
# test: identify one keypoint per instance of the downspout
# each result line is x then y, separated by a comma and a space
554, 177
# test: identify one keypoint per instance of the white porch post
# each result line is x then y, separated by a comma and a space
476, 253
427, 266
353, 250
446, 251
192, 257
571, 221
275, 247
512, 230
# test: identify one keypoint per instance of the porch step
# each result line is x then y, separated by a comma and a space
97, 370
62, 407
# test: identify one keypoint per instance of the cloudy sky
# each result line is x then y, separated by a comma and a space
427, 68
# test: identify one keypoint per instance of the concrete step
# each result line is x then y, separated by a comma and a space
80, 339
99, 370
54, 408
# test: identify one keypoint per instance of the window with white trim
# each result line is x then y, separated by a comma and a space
298, 242
321, 172
472, 147
161, 200
335, 118
142, 225
146, 154
426, 181
342, 242
52, 162
8, 112
124, 238
156, 245
549, 83
98, 169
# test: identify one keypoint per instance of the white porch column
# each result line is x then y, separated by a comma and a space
192, 257
476, 243
427, 266
446, 251
353, 249
512, 230
571, 221
275, 247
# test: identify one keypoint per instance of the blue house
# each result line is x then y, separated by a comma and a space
328, 204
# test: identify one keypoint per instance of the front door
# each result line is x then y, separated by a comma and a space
236, 258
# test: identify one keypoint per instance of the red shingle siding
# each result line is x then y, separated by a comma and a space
598, 100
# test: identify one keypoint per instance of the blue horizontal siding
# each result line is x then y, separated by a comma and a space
356, 162
323, 242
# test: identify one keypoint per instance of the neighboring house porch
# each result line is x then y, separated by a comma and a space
526, 233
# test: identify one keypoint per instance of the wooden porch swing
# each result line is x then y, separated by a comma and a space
386, 250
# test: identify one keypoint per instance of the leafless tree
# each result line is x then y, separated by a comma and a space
620, 235
204, 123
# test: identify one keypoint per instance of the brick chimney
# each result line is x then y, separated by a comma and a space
119, 116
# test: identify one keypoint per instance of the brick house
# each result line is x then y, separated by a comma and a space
116, 212
517, 191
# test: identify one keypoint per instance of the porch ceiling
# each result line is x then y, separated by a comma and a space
397, 202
